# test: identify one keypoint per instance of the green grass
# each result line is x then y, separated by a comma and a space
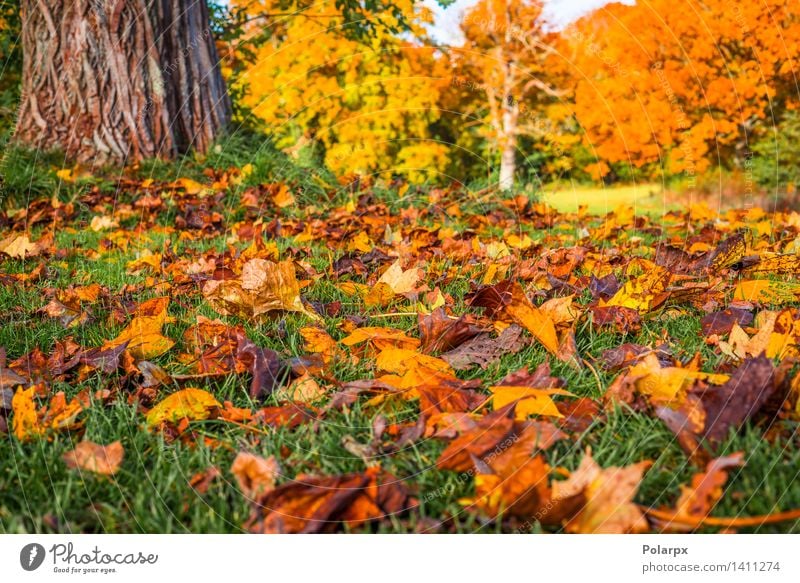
151, 493
645, 198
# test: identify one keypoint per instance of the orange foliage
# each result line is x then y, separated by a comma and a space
681, 88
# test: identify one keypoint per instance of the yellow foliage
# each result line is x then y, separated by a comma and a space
369, 104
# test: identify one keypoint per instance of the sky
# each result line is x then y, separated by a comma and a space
560, 12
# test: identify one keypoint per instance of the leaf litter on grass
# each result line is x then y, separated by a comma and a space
235, 331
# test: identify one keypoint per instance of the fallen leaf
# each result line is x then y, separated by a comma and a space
191, 404
484, 349
26, 419
92, 457
765, 291
641, 293
142, 336
698, 499
607, 498
322, 504
264, 287
256, 476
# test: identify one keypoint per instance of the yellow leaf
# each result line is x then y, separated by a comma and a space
191, 404
190, 186
639, 293
524, 313
18, 247
319, 341
668, 383
143, 333
283, 197
517, 242
400, 360
774, 263
398, 280
497, 250
766, 291
100, 223
303, 389
531, 401
26, 420
381, 338
360, 242
379, 295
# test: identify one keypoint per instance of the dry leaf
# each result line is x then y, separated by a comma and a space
256, 476
264, 287
92, 457
191, 404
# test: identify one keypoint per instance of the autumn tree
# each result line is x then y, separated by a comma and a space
123, 80
682, 90
364, 104
508, 71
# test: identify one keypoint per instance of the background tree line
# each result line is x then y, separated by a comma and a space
643, 92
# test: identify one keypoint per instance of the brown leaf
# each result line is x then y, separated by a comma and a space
312, 504
201, 481
628, 354
495, 440
539, 379
721, 322
448, 398
92, 457
484, 350
440, 333
521, 491
622, 319
676, 260
493, 298
607, 495
492, 433
256, 475
262, 288
698, 500
265, 365
741, 398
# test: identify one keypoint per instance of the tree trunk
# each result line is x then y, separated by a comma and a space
116, 81
508, 166
508, 144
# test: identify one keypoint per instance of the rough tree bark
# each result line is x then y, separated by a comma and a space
115, 81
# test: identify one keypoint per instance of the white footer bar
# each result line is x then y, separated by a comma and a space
398, 558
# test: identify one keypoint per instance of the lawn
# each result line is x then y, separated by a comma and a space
645, 198
123, 243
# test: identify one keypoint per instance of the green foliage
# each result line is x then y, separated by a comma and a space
776, 157
10, 64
